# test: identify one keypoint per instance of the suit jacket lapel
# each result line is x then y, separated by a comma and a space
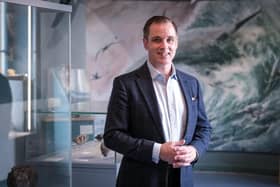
186, 88
145, 84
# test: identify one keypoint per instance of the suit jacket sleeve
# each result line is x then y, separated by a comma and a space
119, 134
202, 129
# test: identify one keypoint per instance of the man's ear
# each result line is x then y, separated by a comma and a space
145, 43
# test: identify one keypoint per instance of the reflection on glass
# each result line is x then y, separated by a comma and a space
30, 133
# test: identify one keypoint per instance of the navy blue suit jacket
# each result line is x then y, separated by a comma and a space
133, 125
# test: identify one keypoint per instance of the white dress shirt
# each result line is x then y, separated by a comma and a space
172, 107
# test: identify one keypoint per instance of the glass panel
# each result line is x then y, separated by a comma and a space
36, 126
87, 140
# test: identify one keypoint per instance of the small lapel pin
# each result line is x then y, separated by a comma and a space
193, 98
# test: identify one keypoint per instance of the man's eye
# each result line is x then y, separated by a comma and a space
157, 40
170, 40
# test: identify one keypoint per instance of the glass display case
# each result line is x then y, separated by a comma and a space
35, 61
93, 164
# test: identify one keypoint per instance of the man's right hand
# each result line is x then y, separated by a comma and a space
167, 151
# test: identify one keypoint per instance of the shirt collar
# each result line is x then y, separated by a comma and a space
156, 75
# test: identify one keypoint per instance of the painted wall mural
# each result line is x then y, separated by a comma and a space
232, 47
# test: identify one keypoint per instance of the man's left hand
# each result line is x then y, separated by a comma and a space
185, 155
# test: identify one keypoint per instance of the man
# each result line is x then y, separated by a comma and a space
156, 116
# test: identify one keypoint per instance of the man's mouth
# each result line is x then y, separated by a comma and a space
164, 54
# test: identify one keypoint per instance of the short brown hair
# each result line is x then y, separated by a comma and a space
156, 19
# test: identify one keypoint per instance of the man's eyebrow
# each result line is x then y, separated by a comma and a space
156, 38
159, 37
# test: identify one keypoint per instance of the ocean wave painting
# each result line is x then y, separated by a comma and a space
232, 47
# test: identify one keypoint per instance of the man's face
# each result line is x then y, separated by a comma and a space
161, 43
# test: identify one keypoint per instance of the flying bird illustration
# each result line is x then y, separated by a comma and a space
239, 24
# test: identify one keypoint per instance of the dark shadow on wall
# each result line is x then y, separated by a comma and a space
6, 160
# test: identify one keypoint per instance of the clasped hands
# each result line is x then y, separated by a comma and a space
177, 153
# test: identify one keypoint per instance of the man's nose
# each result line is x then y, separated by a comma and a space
163, 44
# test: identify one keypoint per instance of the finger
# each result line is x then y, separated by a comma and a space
179, 143
184, 150
183, 158
180, 164
181, 149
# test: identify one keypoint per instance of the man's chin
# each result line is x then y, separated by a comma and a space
165, 61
